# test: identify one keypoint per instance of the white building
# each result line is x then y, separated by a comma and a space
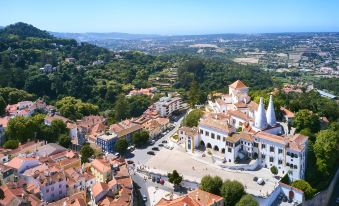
166, 105
261, 138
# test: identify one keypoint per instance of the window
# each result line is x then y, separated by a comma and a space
60, 192
287, 164
279, 162
295, 155
59, 186
255, 144
212, 135
201, 131
218, 137
263, 156
295, 167
207, 133
271, 159
271, 149
288, 154
280, 151
263, 146
229, 149
47, 191
224, 139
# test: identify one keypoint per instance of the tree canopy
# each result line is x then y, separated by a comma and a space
306, 119
86, 152
140, 138
232, 191
174, 178
121, 145
211, 184
73, 108
192, 119
247, 200
305, 187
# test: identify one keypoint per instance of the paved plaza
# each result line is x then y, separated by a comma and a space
194, 168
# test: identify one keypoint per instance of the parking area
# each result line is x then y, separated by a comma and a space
192, 168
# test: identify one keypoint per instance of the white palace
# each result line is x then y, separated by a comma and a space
262, 137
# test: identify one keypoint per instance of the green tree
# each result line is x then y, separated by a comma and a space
285, 179
306, 119
305, 187
121, 108
21, 129
65, 141
274, 170
11, 144
174, 178
232, 191
2, 194
193, 94
326, 149
211, 184
192, 119
86, 152
121, 145
73, 108
247, 200
140, 138
2, 106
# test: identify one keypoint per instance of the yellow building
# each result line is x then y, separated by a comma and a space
101, 169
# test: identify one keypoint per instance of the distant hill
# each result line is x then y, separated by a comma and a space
24, 30
85, 37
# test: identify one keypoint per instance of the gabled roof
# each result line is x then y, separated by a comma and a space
238, 85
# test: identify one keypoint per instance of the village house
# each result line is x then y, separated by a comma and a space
125, 129
194, 198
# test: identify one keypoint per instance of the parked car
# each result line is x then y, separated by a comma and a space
153, 179
260, 181
162, 181
150, 153
152, 142
130, 162
158, 180
160, 145
255, 179
155, 148
144, 198
164, 141
117, 154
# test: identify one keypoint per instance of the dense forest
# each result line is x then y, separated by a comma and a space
98, 75
99, 79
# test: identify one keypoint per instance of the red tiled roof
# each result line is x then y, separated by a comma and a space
238, 84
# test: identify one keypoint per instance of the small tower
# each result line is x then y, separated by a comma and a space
270, 115
260, 116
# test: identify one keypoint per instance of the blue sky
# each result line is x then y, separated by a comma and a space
174, 16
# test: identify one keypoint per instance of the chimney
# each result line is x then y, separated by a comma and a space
260, 116
270, 114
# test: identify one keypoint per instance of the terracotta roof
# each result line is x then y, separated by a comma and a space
125, 127
240, 105
17, 162
287, 112
101, 165
271, 137
4, 121
297, 142
190, 131
98, 188
195, 198
216, 124
252, 105
241, 115
238, 84
242, 135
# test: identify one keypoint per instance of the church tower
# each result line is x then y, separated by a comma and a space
270, 115
260, 116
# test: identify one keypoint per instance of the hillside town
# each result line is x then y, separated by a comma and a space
236, 137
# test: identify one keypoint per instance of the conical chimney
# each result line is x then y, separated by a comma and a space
270, 114
260, 116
